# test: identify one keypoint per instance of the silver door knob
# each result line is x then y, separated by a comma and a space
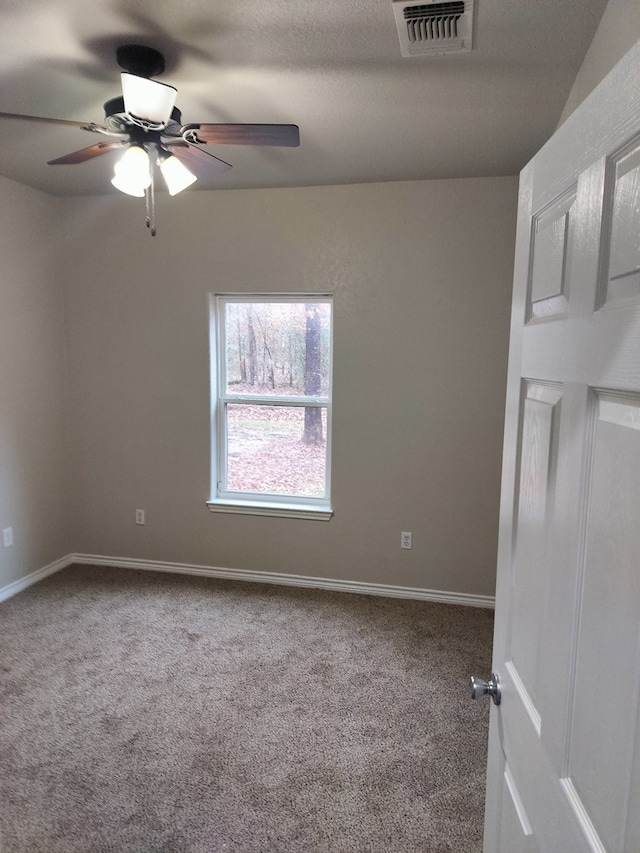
479, 688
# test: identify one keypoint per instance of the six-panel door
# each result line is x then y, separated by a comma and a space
564, 764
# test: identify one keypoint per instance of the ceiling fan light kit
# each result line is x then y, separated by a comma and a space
147, 124
133, 171
132, 160
176, 175
129, 189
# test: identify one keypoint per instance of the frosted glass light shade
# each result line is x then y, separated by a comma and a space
148, 99
176, 175
132, 171
124, 187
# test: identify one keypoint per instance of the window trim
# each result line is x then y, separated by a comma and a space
228, 501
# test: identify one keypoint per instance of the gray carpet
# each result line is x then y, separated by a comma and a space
149, 712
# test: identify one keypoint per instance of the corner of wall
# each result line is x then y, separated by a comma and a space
33, 488
618, 31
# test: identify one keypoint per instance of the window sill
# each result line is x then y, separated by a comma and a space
310, 512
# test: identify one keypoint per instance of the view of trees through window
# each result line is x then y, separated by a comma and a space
277, 358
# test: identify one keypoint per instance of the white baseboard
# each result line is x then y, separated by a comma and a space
40, 574
359, 587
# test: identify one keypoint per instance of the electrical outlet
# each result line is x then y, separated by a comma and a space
139, 516
406, 541
7, 537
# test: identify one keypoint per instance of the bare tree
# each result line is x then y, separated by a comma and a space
241, 360
313, 431
251, 346
268, 375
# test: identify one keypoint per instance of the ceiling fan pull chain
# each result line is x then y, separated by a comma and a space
150, 198
153, 203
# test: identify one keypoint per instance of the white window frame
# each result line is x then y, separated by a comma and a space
250, 503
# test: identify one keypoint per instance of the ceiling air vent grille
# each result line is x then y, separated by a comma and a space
427, 26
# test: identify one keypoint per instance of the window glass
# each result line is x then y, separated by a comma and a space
278, 348
266, 452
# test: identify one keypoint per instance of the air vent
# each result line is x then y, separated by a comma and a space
427, 26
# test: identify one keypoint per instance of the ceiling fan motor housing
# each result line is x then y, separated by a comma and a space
140, 60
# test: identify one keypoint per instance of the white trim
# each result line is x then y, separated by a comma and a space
311, 512
275, 400
280, 579
359, 587
17, 586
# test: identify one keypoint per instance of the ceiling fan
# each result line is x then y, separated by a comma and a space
146, 125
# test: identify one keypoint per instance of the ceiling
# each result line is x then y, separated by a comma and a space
333, 67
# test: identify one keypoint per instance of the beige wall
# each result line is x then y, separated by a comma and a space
33, 493
421, 274
618, 31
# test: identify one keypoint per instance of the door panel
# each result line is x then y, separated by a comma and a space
564, 747
538, 453
623, 280
516, 828
551, 248
600, 768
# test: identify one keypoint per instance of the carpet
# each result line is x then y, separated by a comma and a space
148, 712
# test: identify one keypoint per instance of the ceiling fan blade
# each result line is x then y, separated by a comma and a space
197, 160
245, 134
85, 125
88, 153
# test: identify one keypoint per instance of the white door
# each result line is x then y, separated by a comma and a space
564, 753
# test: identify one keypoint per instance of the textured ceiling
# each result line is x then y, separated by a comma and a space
333, 67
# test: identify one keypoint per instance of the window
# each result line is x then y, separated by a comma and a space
271, 404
